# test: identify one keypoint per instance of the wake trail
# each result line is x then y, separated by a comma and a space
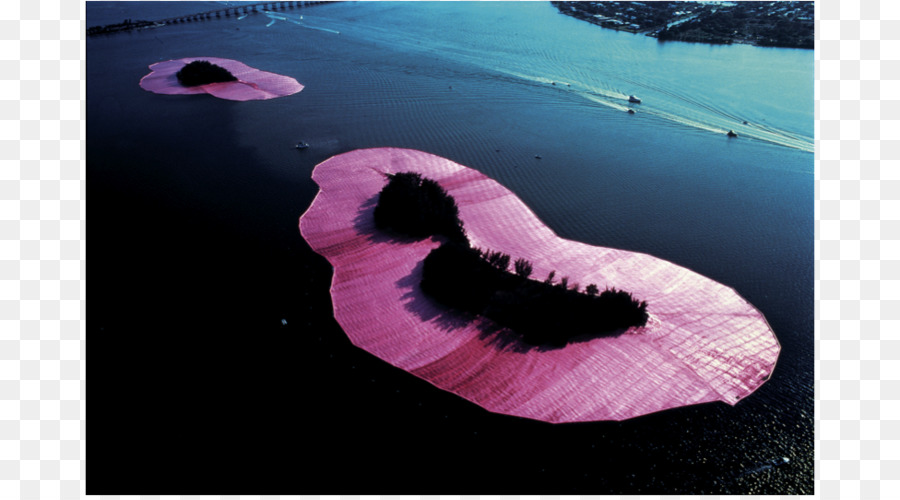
296, 21
770, 133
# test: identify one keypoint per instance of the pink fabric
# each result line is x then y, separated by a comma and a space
252, 83
703, 341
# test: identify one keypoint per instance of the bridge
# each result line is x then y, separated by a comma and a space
237, 10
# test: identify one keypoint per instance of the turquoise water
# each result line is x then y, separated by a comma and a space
194, 215
706, 87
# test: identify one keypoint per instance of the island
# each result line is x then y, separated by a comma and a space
702, 341
220, 77
788, 24
479, 281
202, 72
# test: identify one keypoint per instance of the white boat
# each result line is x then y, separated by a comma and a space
634, 99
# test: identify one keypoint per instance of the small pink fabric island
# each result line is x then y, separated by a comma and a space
703, 341
252, 84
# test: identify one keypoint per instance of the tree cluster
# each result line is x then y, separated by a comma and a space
784, 34
203, 72
418, 207
545, 313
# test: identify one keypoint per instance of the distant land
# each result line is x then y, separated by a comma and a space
765, 24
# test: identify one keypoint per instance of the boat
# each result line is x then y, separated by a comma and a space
731, 133
302, 145
630, 111
634, 99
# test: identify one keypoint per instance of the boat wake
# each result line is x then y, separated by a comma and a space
725, 120
297, 20
708, 118
605, 101
675, 108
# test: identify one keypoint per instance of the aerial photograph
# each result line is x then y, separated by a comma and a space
465, 247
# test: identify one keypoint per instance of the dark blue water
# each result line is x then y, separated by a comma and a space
197, 386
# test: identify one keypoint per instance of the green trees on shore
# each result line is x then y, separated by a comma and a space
418, 207
542, 312
523, 268
480, 282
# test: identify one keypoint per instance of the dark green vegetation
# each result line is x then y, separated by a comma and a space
203, 72
543, 313
777, 24
418, 207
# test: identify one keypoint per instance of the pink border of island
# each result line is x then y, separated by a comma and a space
703, 341
252, 84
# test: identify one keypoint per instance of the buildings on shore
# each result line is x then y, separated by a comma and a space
775, 24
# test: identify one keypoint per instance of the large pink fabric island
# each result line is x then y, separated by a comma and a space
252, 84
703, 341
